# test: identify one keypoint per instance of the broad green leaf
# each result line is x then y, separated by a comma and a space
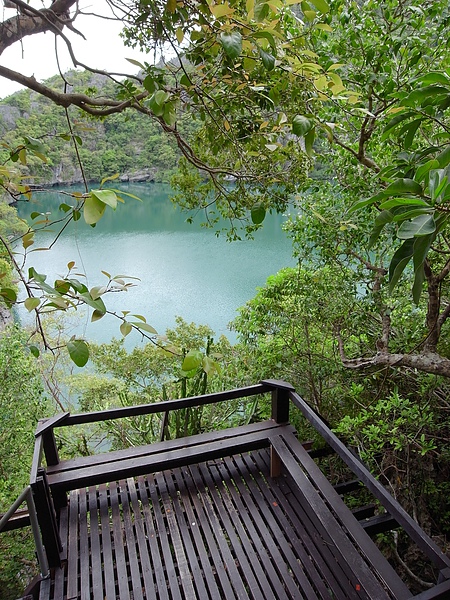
110, 178
438, 180
145, 327
403, 186
125, 328
424, 169
171, 6
97, 304
34, 351
403, 202
411, 130
421, 225
97, 291
232, 44
443, 157
78, 352
366, 202
406, 214
433, 77
309, 141
301, 125
399, 261
9, 295
93, 210
399, 118
258, 213
192, 360
267, 59
27, 239
221, 10
97, 315
210, 366
106, 196
261, 10
421, 248
170, 115
136, 63
31, 303
321, 6
267, 35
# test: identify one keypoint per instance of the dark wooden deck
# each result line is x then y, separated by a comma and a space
245, 513
219, 529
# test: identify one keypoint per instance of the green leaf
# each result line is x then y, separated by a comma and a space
106, 196
96, 304
31, 303
93, 209
399, 261
399, 118
438, 180
309, 141
301, 125
321, 6
192, 360
169, 114
145, 327
125, 328
136, 63
110, 178
443, 157
78, 352
261, 10
267, 59
403, 186
97, 315
392, 202
9, 296
258, 213
34, 351
424, 169
421, 225
232, 44
433, 77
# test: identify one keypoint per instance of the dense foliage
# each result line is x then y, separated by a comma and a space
22, 403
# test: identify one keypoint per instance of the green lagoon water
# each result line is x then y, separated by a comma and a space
183, 268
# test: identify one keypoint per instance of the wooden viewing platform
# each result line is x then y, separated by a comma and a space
239, 513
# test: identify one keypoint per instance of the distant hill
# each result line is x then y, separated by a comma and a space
129, 143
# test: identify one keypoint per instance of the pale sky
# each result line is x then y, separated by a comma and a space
102, 49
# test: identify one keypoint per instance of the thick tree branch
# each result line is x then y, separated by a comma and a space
34, 21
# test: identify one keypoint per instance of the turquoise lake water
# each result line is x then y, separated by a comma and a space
184, 269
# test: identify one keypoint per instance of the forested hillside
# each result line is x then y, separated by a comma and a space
127, 143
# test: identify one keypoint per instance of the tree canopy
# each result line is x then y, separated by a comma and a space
337, 107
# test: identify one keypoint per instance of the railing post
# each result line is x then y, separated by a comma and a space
47, 519
280, 414
280, 399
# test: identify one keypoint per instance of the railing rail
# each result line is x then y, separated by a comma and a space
27, 496
423, 541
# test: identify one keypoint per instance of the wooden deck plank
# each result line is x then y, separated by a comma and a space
239, 492
107, 550
96, 557
315, 538
144, 558
200, 549
130, 541
154, 549
348, 546
246, 534
230, 522
119, 547
160, 526
73, 554
85, 586
218, 529
224, 562
175, 528
180, 499
283, 557
218, 565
